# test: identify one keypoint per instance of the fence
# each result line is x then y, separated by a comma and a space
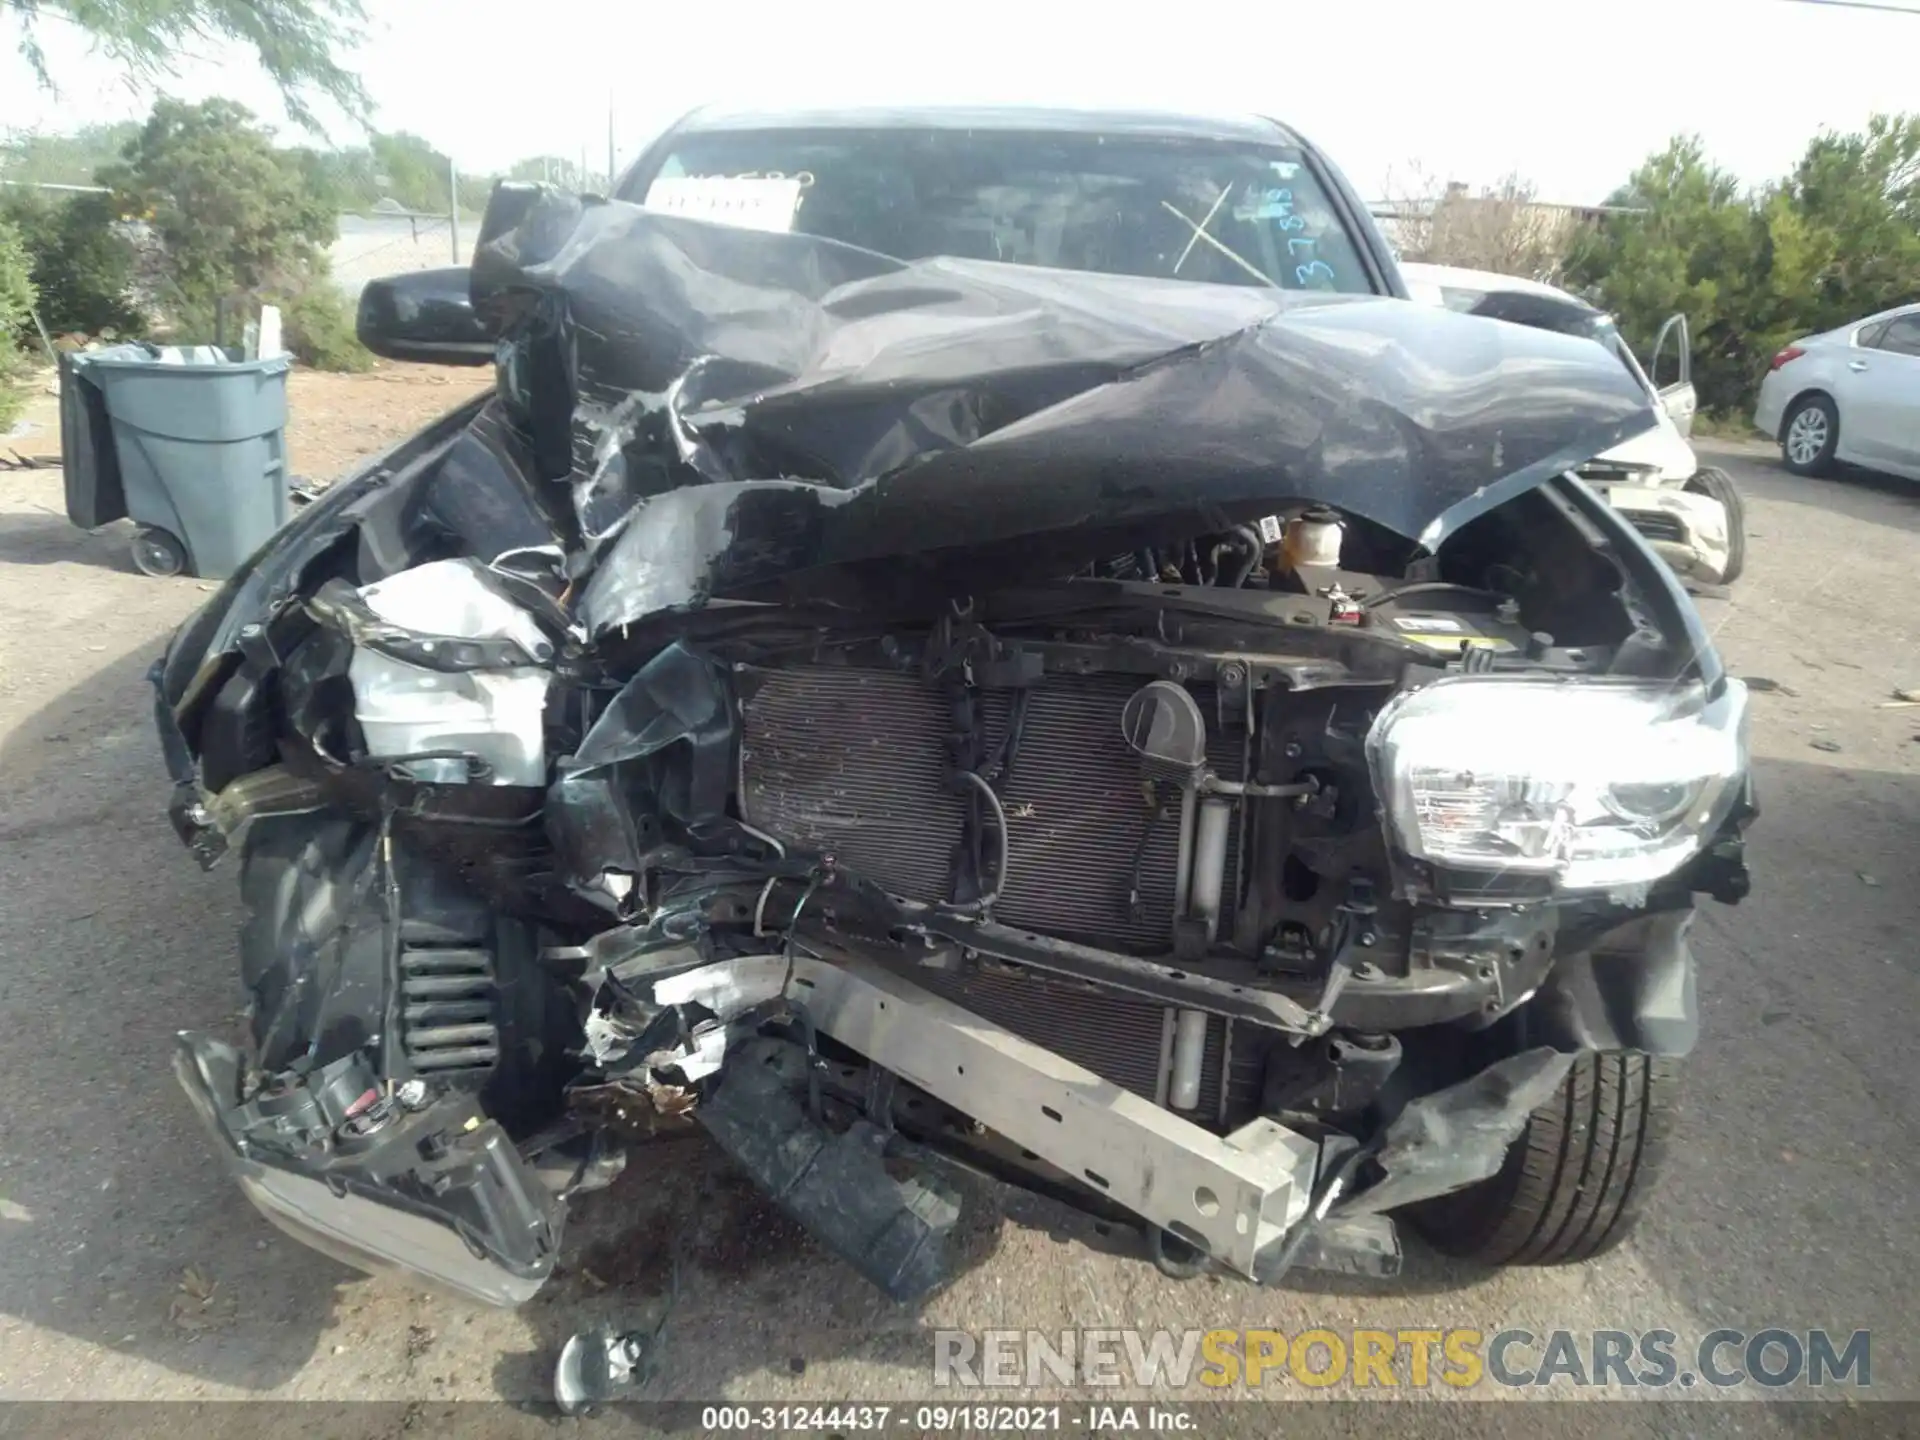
374, 245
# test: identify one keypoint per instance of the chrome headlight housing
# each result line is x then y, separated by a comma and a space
1592, 784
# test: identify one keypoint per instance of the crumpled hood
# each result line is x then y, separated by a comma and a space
733, 408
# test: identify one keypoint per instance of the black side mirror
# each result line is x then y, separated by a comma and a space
426, 316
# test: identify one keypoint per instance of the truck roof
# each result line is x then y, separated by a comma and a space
1148, 123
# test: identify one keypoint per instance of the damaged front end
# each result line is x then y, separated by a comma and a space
925, 721
357, 1173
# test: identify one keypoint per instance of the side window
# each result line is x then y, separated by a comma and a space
1869, 338
1901, 336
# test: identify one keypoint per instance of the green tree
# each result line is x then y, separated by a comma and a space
16, 316
413, 172
396, 169
298, 42
1836, 239
556, 170
1859, 197
1692, 250
232, 213
82, 263
409, 170
37, 159
329, 174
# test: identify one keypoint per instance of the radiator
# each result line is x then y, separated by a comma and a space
1119, 1037
854, 764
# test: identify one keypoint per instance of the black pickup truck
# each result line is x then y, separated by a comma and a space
963, 643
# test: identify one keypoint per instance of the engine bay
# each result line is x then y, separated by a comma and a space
1134, 819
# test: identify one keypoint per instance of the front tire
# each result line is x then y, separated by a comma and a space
1809, 435
1716, 484
1576, 1180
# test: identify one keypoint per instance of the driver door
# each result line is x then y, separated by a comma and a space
1670, 367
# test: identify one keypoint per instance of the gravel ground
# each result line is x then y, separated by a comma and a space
129, 1268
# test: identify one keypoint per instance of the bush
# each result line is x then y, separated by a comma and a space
317, 325
82, 263
16, 318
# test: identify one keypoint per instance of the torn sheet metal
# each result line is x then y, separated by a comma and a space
458, 488
834, 406
662, 747
678, 698
1460, 1135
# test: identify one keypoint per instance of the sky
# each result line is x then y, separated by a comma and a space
1569, 94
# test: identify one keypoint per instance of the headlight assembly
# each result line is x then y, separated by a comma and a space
1597, 785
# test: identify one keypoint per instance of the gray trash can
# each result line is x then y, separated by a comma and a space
187, 443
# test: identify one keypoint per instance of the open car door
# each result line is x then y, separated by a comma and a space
1670, 367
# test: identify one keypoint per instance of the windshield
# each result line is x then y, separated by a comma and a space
1225, 212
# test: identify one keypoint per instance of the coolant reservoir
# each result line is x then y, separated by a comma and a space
497, 715
1313, 538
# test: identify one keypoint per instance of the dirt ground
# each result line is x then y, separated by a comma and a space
130, 1267
335, 420
332, 420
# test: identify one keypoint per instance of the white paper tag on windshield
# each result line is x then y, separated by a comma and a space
753, 203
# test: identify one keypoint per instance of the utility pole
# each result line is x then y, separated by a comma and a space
610, 163
453, 207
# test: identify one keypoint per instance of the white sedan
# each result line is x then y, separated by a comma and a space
1850, 395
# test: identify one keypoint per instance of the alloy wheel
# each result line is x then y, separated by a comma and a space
1807, 436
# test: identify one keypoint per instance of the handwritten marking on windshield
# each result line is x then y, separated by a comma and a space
1275, 205
1218, 201
1200, 233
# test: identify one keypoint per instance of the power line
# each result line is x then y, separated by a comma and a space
1879, 5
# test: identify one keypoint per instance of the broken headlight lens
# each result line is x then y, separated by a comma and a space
1595, 784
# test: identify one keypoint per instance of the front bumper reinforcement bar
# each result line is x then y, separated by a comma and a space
1236, 1198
